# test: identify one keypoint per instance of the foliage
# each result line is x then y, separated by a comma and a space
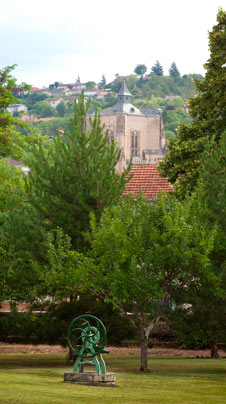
102, 83
207, 109
174, 118
142, 253
213, 181
50, 325
51, 127
90, 84
8, 133
31, 99
15, 259
140, 70
157, 69
61, 109
43, 109
75, 176
173, 70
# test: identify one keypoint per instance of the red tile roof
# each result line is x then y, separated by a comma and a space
47, 119
146, 178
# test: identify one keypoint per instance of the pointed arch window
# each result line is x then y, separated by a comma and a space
135, 143
111, 137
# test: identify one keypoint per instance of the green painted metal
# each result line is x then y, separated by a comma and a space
87, 337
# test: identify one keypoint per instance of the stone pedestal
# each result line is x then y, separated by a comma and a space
91, 379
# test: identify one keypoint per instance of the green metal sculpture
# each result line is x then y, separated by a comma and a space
87, 337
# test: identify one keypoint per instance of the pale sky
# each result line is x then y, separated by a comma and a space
58, 40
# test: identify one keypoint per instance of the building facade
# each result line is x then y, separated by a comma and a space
140, 134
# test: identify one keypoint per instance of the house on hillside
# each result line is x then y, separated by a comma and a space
54, 101
16, 108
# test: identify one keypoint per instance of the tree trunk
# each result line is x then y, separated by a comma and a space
214, 350
144, 353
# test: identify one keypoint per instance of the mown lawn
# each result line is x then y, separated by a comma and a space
38, 379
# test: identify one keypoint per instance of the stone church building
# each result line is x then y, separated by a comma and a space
139, 133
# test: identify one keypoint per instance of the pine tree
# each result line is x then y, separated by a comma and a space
181, 165
157, 69
75, 176
102, 83
173, 70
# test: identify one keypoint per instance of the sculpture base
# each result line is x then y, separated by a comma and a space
91, 379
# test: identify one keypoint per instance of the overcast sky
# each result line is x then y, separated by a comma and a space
52, 40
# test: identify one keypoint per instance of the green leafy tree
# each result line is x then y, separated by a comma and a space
76, 175
199, 324
140, 70
43, 109
140, 254
157, 69
173, 71
213, 181
8, 87
31, 99
16, 275
90, 84
207, 109
61, 109
204, 317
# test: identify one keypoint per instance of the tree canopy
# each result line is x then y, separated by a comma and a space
75, 175
140, 254
157, 69
207, 109
8, 87
140, 69
173, 70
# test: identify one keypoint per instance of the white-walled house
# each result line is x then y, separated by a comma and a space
16, 108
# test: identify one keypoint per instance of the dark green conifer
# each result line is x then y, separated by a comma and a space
75, 176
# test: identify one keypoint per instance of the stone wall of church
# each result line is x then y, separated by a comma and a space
140, 137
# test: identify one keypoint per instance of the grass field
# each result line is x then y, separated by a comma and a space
38, 379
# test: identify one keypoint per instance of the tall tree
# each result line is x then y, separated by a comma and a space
76, 175
181, 165
61, 108
16, 274
157, 69
102, 83
213, 181
173, 70
141, 253
140, 70
8, 87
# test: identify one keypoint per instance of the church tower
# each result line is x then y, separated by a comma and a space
140, 134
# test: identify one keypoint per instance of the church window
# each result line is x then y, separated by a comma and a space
111, 137
135, 152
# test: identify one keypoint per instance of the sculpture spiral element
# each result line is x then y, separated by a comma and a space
86, 336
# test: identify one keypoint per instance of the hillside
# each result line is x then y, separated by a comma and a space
166, 94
